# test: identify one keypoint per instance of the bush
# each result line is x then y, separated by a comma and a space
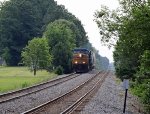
25, 84
59, 70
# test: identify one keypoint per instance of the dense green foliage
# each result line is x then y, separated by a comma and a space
23, 20
36, 54
142, 83
59, 70
129, 26
61, 40
19, 23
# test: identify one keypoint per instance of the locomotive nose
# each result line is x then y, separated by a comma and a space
80, 55
76, 62
83, 62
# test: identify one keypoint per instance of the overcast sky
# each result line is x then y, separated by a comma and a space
84, 11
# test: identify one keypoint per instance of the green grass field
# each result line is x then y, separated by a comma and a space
13, 78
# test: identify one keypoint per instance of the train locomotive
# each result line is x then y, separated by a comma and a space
82, 60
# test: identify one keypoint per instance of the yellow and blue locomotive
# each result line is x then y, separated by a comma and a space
82, 60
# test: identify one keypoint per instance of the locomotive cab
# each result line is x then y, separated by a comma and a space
81, 60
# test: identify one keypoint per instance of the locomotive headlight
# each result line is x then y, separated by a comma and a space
80, 55
76, 62
83, 62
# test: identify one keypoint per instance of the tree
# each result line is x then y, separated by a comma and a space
142, 85
20, 21
130, 26
61, 40
36, 54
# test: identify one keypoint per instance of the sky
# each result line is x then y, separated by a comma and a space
84, 11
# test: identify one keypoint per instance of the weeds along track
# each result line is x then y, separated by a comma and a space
36, 88
69, 101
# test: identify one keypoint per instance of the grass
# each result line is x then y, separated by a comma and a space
117, 80
13, 78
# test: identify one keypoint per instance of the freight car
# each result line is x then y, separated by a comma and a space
82, 60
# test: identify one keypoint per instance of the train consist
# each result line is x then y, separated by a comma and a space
83, 60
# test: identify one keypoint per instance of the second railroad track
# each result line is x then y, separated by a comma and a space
68, 102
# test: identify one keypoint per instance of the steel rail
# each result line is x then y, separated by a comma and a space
75, 105
35, 109
68, 77
11, 92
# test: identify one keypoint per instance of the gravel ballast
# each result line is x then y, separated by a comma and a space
27, 102
110, 100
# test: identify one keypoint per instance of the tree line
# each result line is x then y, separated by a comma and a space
127, 29
21, 21
39, 33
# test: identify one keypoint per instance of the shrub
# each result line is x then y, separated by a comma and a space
59, 70
25, 84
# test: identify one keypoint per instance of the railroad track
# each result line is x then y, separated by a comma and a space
39, 87
77, 107
68, 102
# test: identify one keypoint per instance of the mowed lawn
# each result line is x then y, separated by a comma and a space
13, 78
